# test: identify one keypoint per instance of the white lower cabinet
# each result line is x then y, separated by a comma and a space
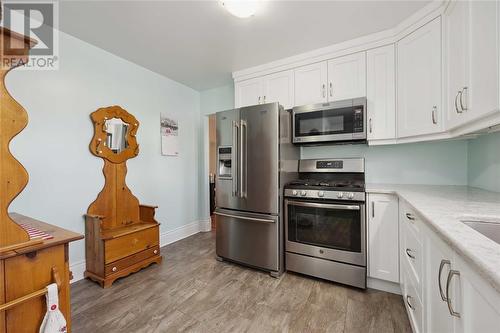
383, 258
453, 297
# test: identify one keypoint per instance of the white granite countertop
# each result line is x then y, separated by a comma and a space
444, 207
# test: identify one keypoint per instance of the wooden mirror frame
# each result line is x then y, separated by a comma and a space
97, 145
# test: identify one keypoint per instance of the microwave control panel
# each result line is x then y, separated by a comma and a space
358, 121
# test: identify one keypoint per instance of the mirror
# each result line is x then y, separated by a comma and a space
116, 134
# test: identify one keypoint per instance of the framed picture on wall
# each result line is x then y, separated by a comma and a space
169, 131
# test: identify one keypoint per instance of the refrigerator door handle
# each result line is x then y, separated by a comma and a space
246, 218
234, 158
243, 158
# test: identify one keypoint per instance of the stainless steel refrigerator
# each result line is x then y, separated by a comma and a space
255, 158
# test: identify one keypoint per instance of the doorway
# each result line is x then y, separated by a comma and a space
212, 153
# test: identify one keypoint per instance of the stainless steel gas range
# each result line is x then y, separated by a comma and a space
325, 222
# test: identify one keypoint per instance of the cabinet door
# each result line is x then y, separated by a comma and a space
419, 81
347, 77
475, 300
438, 261
278, 87
455, 48
248, 92
482, 93
381, 92
310, 84
383, 249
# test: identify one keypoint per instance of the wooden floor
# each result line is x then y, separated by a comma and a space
192, 292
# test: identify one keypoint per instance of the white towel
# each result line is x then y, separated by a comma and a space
54, 321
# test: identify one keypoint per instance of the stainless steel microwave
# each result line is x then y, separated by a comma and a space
340, 121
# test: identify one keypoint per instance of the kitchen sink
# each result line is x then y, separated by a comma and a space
488, 228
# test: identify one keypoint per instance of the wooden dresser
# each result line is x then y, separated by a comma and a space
29, 262
122, 236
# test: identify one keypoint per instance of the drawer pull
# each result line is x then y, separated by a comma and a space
155, 251
410, 217
448, 299
114, 269
408, 297
408, 253
441, 265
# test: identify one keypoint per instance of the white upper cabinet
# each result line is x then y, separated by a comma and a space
471, 57
310, 84
483, 90
419, 81
381, 92
248, 92
278, 87
347, 77
383, 249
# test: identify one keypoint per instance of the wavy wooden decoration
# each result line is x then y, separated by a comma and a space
13, 119
116, 203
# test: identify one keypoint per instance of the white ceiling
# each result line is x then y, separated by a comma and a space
199, 44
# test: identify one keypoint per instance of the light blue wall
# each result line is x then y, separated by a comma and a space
440, 163
484, 162
65, 177
217, 99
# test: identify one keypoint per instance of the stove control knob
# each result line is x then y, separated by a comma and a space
303, 193
294, 192
340, 195
351, 195
321, 194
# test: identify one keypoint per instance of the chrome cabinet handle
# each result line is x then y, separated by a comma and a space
410, 217
264, 99
324, 90
456, 102
373, 209
434, 111
448, 299
441, 266
331, 89
259, 99
464, 90
408, 253
408, 297
371, 127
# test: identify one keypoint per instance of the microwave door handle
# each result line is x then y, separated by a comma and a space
234, 158
243, 158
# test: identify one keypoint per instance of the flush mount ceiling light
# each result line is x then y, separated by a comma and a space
241, 8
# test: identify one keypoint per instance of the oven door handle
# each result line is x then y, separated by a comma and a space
321, 205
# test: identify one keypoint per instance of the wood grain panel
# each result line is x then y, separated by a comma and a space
124, 263
2, 296
118, 248
25, 274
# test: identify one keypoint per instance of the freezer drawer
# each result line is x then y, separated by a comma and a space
248, 238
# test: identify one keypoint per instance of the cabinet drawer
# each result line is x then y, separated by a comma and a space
119, 248
412, 302
412, 253
125, 263
410, 218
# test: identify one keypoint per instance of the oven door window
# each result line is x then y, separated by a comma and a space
323, 225
325, 122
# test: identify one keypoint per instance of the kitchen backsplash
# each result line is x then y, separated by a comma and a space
484, 162
439, 163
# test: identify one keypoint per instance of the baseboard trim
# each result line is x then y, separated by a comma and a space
167, 237
390, 287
